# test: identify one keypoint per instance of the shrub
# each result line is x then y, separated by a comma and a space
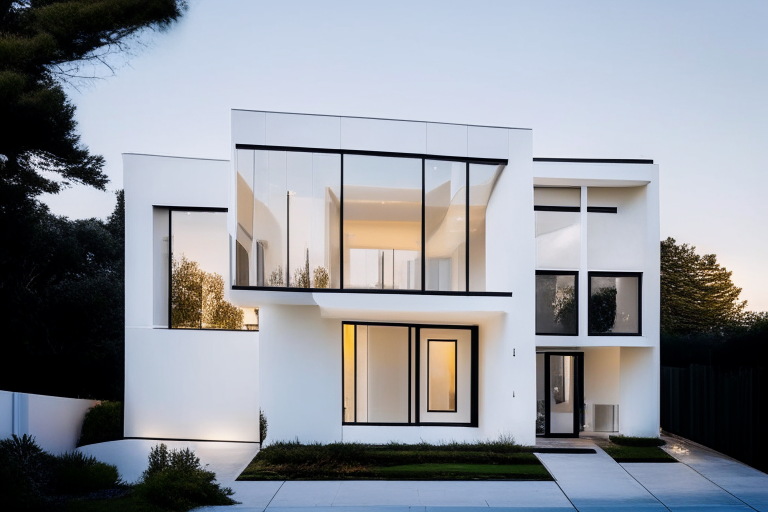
25, 471
103, 422
76, 473
175, 479
263, 424
637, 441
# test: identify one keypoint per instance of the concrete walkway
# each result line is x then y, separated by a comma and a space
705, 481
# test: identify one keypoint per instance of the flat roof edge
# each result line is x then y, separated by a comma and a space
595, 160
381, 119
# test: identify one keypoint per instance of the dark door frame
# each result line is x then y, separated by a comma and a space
578, 393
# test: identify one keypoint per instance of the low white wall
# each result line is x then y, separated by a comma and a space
55, 422
192, 384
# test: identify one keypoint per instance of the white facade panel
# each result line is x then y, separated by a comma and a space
383, 135
248, 127
301, 130
446, 139
485, 142
192, 384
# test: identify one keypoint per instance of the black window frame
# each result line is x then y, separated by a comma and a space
424, 157
639, 276
574, 273
414, 369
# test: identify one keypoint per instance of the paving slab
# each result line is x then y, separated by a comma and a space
745, 483
681, 488
596, 483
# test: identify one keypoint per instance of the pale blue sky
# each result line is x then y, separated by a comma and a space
682, 82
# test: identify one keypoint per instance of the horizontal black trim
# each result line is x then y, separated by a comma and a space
375, 291
188, 440
380, 119
191, 208
472, 160
595, 160
602, 209
538, 208
422, 424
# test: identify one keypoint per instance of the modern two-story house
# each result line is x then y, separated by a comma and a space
377, 280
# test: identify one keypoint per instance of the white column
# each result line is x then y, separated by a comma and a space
583, 279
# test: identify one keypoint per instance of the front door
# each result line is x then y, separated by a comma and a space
560, 393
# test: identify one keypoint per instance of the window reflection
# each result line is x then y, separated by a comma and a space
382, 222
482, 180
556, 304
445, 228
614, 304
199, 260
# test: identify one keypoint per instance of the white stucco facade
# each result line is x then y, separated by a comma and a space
593, 223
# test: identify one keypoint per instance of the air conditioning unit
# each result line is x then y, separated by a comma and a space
606, 418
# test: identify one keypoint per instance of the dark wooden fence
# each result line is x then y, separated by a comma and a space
724, 408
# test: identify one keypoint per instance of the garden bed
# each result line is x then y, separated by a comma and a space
500, 460
635, 449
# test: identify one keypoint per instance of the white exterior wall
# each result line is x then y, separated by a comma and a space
179, 384
190, 384
53, 421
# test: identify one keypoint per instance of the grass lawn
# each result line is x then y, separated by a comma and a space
501, 460
635, 449
128, 503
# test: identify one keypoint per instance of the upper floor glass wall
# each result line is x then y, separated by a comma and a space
558, 228
395, 223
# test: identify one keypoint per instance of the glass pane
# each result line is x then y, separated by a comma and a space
314, 182
558, 240
557, 309
244, 236
541, 394
200, 259
551, 196
614, 305
270, 219
382, 222
482, 179
349, 373
445, 199
442, 375
561, 397
382, 377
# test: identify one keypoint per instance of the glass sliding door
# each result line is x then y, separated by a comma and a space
563, 402
445, 225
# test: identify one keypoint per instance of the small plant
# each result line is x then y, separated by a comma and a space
25, 473
301, 274
321, 277
262, 426
276, 277
76, 473
103, 422
175, 479
637, 441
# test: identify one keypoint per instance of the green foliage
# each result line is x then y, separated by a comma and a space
638, 454
636, 441
25, 473
263, 424
175, 480
62, 304
103, 422
197, 299
76, 473
602, 310
293, 460
301, 274
276, 277
697, 294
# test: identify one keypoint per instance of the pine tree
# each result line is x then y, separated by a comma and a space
697, 294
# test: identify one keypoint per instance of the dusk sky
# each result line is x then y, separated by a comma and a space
684, 83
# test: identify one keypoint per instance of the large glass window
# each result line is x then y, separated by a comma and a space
288, 232
408, 224
382, 222
615, 303
445, 225
199, 260
401, 374
557, 303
